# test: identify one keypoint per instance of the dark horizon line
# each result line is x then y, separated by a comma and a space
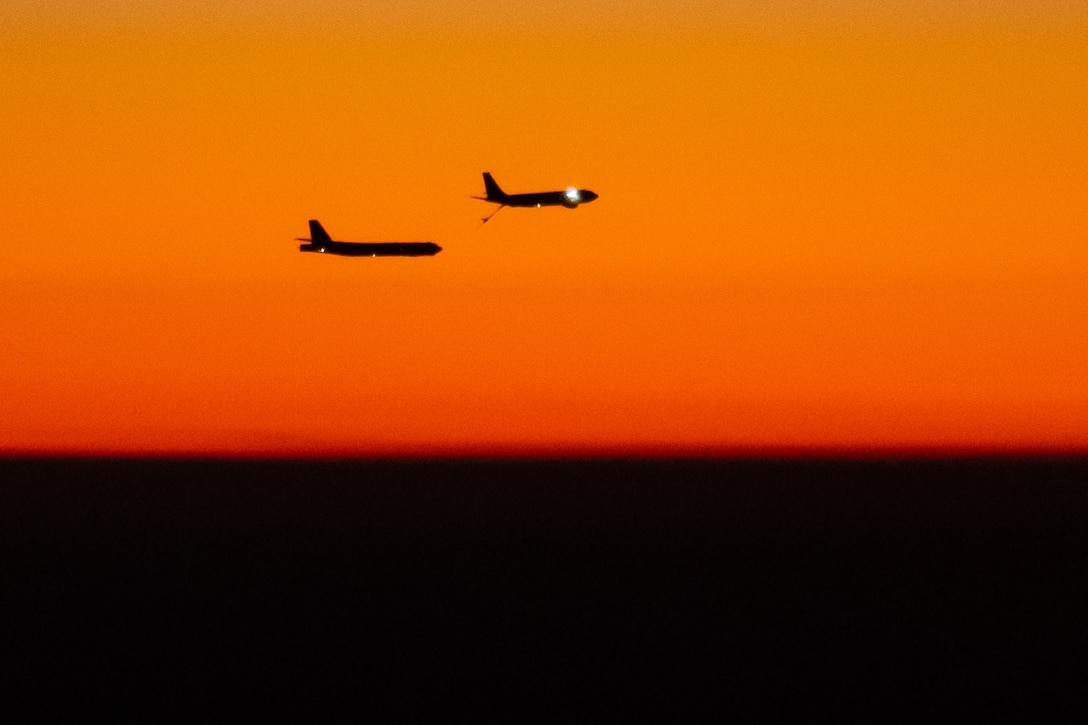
572, 454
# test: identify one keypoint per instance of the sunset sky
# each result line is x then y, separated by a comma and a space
822, 226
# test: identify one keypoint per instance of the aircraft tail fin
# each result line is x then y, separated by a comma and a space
318, 235
493, 190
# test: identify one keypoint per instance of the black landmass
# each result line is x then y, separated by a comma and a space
754, 590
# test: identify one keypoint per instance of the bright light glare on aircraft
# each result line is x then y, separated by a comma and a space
572, 195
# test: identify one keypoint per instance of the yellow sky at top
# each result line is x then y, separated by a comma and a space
563, 14
86, 103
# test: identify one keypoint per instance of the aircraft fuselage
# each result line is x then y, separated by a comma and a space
374, 249
570, 198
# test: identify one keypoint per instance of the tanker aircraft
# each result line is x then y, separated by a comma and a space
570, 198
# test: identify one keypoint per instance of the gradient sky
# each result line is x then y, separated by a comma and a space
821, 225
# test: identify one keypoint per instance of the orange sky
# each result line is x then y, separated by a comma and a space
821, 225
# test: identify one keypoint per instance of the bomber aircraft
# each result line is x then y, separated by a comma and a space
570, 198
322, 243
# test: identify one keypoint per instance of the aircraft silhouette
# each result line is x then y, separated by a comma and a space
322, 243
570, 198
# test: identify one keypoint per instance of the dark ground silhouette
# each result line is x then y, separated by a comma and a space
753, 589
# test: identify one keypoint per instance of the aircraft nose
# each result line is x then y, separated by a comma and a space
588, 195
